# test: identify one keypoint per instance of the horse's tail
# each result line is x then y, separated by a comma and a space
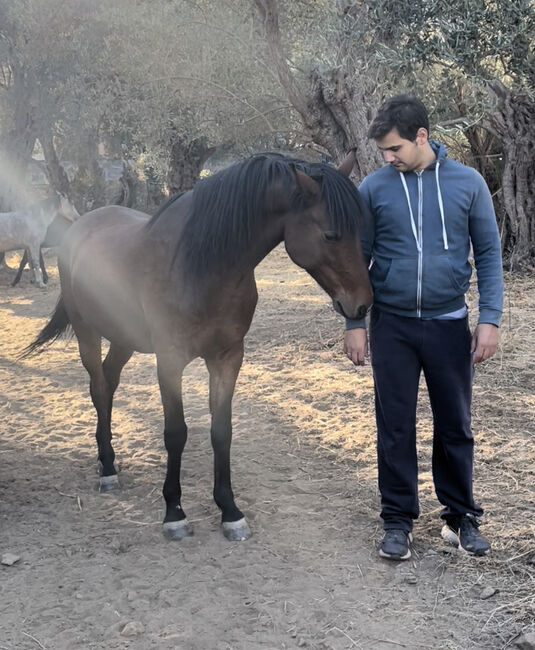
58, 324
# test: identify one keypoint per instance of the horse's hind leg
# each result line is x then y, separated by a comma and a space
21, 269
170, 369
113, 364
224, 371
90, 346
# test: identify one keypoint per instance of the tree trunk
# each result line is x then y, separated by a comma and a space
186, 160
338, 105
514, 124
57, 177
88, 185
16, 145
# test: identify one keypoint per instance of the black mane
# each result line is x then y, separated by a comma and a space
227, 208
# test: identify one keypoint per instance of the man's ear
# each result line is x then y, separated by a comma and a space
308, 186
347, 164
422, 136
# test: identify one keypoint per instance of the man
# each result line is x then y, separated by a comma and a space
427, 210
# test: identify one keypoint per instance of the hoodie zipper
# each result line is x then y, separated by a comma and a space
420, 242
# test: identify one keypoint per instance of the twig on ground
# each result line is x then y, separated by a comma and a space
34, 639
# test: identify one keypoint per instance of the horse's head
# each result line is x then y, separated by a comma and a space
323, 238
66, 209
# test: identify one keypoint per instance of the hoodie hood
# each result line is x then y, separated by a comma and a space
440, 151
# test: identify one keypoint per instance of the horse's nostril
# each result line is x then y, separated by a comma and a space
361, 311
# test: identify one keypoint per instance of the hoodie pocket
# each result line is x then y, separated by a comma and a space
441, 282
395, 282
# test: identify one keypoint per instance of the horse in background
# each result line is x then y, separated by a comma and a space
54, 234
27, 229
181, 285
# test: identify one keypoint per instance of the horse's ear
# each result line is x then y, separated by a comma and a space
347, 164
308, 185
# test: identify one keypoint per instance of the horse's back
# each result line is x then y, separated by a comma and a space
106, 218
19, 229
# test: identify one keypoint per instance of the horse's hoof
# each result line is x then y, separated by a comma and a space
109, 483
177, 529
236, 531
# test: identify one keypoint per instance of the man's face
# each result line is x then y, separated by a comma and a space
404, 155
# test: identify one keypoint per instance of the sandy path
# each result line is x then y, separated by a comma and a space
95, 571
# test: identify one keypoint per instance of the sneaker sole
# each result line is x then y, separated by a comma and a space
390, 556
448, 535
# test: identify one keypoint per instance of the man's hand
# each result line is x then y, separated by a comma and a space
484, 342
356, 345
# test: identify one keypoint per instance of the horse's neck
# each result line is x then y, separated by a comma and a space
47, 217
270, 236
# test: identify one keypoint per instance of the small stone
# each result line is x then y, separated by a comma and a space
301, 643
525, 641
139, 603
430, 552
132, 595
9, 559
449, 550
411, 579
487, 592
133, 628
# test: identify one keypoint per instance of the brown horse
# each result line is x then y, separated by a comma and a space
181, 286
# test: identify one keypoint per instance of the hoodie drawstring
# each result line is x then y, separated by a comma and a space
413, 223
440, 205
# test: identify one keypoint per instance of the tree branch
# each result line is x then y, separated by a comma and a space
270, 15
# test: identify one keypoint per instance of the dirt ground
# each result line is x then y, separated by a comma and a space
95, 572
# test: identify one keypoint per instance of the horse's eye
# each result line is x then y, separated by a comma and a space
331, 235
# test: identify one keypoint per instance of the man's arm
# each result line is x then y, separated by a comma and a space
488, 261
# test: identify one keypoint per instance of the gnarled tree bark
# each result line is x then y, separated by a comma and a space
337, 106
186, 160
56, 174
514, 124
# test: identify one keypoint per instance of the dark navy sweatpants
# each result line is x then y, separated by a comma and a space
401, 348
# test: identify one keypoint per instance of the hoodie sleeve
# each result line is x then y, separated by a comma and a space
487, 253
366, 241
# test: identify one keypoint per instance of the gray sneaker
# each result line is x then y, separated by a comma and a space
466, 536
395, 544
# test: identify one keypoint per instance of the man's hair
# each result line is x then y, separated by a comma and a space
406, 113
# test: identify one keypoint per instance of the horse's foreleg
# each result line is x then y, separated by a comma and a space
224, 371
34, 252
43, 266
170, 369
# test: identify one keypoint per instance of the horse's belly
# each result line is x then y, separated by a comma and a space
108, 302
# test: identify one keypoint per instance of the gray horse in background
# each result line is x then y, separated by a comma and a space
27, 229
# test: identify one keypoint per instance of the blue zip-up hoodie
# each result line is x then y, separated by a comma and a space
422, 224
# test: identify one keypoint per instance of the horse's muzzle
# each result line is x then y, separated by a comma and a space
359, 313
